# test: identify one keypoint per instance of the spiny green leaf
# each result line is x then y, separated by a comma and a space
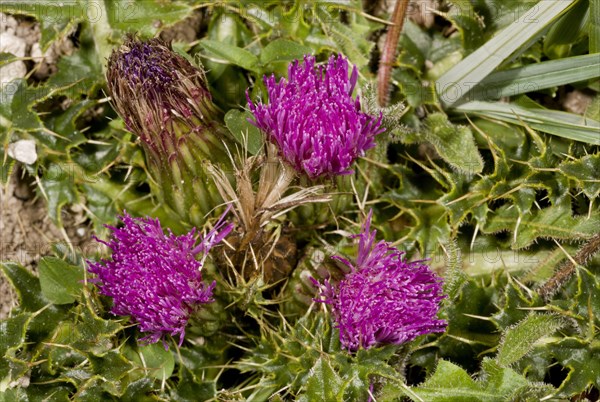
26, 285
145, 17
139, 391
92, 333
584, 301
154, 360
64, 123
61, 282
414, 48
112, 366
57, 185
80, 73
192, 389
431, 228
508, 385
454, 143
12, 336
350, 42
48, 392
581, 358
513, 304
323, 383
449, 377
521, 338
554, 222
412, 88
470, 29
15, 106
451, 383
585, 173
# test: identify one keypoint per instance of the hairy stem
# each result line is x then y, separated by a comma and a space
566, 269
388, 54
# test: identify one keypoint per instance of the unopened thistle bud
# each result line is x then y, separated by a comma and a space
165, 101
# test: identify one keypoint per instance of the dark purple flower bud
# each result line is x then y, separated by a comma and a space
165, 101
161, 96
383, 299
155, 278
312, 118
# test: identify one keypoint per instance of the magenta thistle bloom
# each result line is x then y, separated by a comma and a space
155, 278
314, 121
383, 299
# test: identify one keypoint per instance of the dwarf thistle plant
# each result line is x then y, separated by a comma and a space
314, 130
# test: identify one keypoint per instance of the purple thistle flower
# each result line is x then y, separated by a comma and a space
155, 278
313, 119
383, 299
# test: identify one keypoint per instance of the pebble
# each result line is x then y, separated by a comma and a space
23, 151
9, 43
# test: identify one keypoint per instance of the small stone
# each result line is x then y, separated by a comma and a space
36, 52
7, 22
9, 43
23, 151
16, 46
577, 102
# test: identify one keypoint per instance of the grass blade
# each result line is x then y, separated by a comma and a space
562, 124
535, 77
455, 83
594, 33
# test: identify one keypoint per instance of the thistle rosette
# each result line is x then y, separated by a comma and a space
165, 101
313, 119
155, 278
384, 299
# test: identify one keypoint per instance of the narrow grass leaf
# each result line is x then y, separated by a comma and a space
562, 124
535, 77
594, 27
456, 82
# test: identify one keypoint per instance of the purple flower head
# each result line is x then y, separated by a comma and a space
314, 121
383, 299
155, 277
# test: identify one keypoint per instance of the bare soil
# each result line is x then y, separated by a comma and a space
27, 233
